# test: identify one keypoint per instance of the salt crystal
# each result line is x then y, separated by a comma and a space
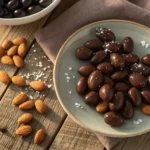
68, 78
81, 107
147, 46
34, 50
140, 120
31, 97
74, 77
49, 60
43, 95
143, 43
70, 68
136, 122
70, 92
49, 86
44, 68
35, 58
33, 45
66, 74
48, 66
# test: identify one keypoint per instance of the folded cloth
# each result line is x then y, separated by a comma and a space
51, 37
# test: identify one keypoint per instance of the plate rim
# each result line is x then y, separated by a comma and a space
56, 89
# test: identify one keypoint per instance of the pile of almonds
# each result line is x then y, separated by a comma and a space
12, 53
114, 80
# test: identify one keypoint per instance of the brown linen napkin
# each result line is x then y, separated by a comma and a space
84, 12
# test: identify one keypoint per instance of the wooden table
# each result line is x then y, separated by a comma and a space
62, 132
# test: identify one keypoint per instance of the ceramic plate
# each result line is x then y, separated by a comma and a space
87, 116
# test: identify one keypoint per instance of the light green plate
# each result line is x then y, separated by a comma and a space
88, 117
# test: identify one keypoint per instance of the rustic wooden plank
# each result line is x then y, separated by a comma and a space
73, 137
135, 143
10, 32
36, 63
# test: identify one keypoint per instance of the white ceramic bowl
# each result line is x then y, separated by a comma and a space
31, 18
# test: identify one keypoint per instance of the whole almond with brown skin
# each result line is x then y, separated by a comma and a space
146, 109
37, 85
22, 49
18, 61
25, 118
39, 136
2, 51
19, 81
24, 130
7, 44
40, 106
7, 60
19, 40
12, 51
27, 105
19, 99
4, 77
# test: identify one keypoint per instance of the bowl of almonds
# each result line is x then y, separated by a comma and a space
17, 12
105, 69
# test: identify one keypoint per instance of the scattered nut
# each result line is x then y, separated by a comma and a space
39, 136
4, 77
19, 99
12, 51
18, 61
24, 130
27, 105
7, 60
40, 106
19, 81
25, 118
19, 40
7, 44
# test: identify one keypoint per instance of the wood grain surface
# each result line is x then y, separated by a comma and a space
62, 133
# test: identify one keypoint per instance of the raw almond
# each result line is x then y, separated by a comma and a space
4, 77
40, 106
39, 136
2, 51
27, 105
19, 81
146, 109
7, 44
18, 61
19, 40
25, 118
22, 49
19, 99
7, 60
37, 85
24, 130
12, 51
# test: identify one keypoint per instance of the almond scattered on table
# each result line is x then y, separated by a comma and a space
7, 60
19, 99
18, 61
19, 81
40, 106
25, 118
22, 49
4, 77
2, 51
27, 105
37, 85
7, 44
12, 51
24, 130
19, 40
39, 136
